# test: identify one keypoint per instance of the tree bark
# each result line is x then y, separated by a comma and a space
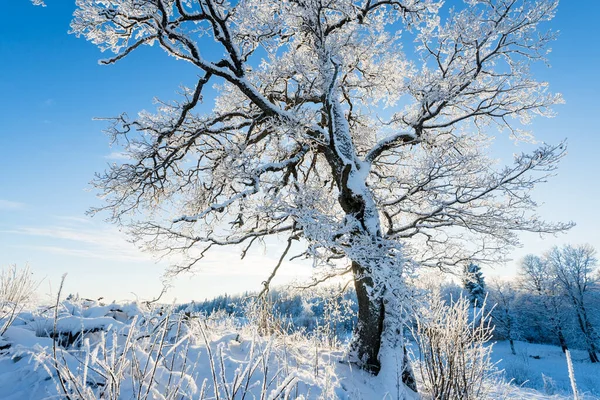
586, 329
562, 340
370, 328
591, 338
556, 323
359, 205
371, 314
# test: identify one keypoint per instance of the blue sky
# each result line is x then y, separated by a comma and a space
51, 87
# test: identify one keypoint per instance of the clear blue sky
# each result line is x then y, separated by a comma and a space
51, 87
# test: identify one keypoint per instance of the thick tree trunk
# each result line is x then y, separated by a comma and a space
371, 314
357, 201
370, 328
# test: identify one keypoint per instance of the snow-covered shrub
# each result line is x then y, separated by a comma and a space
260, 312
328, 312
549, 385
167, 356
454, 357
518, 372
17, 288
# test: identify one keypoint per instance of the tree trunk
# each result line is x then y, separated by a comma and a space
512, 346
357, 202
371, 313
562, 340
593, 356
593, 350
556, 323
587, 330
370, 328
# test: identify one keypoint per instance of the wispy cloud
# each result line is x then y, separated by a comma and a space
83, 253
11, 205
117, 155
72, 219
80, 238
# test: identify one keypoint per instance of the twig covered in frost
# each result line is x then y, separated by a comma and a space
54, 338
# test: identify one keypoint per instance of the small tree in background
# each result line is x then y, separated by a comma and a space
474, 284
537, 279
504, 298
574, 268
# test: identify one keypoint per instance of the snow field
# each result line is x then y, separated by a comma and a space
132, 351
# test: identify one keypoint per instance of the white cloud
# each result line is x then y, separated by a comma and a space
72, 219
84, 239
11, 205
83, 253
117, 155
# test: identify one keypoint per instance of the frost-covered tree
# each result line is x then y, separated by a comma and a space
536, 278
474, 284
325, 130
504, 298
574, 268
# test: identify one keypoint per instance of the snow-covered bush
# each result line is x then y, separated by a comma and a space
260, 312
17, 289
142, 361
454, 357
518, 371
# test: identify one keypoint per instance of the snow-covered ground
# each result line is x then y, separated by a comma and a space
544, 367
131, 352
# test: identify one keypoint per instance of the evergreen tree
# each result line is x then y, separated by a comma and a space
474, 283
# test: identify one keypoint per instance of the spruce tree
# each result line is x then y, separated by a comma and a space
474, 283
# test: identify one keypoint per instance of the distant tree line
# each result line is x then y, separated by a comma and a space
330, 309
